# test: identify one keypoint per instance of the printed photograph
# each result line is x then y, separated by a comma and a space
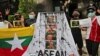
51, 44
74, 23
51, 19
51, 32
50, 36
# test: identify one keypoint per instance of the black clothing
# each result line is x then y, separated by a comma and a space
76, 32
92, 47
28, 22
72, 7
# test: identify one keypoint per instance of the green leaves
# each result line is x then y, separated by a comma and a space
26, 6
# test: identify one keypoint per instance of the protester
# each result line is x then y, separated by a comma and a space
8, 7
18, 16
51, 32
90, 9
50, 45
18, 20
9, 25
31, 19
51, 20
98, 11
93, 32
76, 31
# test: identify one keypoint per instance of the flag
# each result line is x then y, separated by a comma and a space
14, 41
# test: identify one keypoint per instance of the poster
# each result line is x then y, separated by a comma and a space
52, 36
51, 32
74, 23
85, 22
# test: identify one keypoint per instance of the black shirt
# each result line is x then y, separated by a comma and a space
28, 22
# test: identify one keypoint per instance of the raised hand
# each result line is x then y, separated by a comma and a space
7, 11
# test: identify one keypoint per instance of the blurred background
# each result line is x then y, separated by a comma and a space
24, 6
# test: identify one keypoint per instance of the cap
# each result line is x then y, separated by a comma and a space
91, 9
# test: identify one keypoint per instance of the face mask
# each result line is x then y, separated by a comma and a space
31, 16
91, 14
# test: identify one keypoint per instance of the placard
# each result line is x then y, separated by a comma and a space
85, 22
74, 23
52, 37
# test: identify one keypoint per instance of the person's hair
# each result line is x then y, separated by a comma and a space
18, 13
35, 12
98, 8
17, 17
48, 34
91, 8
76, 13
97, 13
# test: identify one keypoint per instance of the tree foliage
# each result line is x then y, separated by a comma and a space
26, 6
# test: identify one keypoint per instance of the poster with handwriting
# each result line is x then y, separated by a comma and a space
52, 36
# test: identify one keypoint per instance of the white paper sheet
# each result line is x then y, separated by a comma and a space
85, 22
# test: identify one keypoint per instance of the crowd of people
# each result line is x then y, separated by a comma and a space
19, 20
10, 7
93, 31
92, 43
93, 39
